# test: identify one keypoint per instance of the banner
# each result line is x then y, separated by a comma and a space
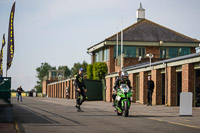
10, 51
1, 56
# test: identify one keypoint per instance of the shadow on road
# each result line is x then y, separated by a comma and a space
26, 116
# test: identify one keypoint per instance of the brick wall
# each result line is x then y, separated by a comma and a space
111, 61
132, 78
117, 67
113, 83
71, 89
188, 78
108, 90
143, 87
134, 61
172, 86
157, 94
192, 50
58, 90
64, 93
74, 93
154, 50
44, 85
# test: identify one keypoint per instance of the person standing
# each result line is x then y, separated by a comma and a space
19, 93
150, 85
80, 89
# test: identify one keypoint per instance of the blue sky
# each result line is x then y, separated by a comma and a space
60, 31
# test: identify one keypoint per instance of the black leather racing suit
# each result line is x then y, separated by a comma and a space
79, 83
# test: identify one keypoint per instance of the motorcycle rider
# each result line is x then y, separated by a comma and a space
114, 91
123, 80
80, 89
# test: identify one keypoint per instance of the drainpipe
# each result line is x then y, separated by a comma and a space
166, 83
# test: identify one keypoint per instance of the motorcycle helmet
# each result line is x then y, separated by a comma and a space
124, 75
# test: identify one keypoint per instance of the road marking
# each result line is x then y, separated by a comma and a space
187, 120
17, 127
175, 123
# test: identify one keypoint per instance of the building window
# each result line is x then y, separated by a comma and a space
175, 52
53, 74
141, 52
163, 52
96, 57
105, 55
185, 51
115, 51
99, 56
128, 51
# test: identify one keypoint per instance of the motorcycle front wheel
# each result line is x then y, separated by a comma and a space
126, 109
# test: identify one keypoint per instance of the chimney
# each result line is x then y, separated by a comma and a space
140, 13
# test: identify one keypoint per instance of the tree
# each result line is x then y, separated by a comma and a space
67, 71
84, 66
77, 66
42, 71
13, 90
32, 90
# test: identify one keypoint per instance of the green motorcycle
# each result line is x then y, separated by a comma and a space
122, 102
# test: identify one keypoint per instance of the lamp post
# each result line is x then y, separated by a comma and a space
150, 56
122, 62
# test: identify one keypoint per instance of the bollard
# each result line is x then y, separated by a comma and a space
185, 104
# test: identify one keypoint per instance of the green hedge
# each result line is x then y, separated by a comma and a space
90, 71
97, 71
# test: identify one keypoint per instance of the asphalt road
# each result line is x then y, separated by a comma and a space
51, 115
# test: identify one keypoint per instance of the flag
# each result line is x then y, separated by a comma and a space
1, 56
10, 51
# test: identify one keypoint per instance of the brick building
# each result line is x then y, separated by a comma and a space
171, 77
139, 39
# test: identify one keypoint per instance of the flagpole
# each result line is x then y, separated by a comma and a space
117, 42
122, 45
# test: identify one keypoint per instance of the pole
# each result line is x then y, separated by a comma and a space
166, 81
117, 42
150, 62
122, 46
